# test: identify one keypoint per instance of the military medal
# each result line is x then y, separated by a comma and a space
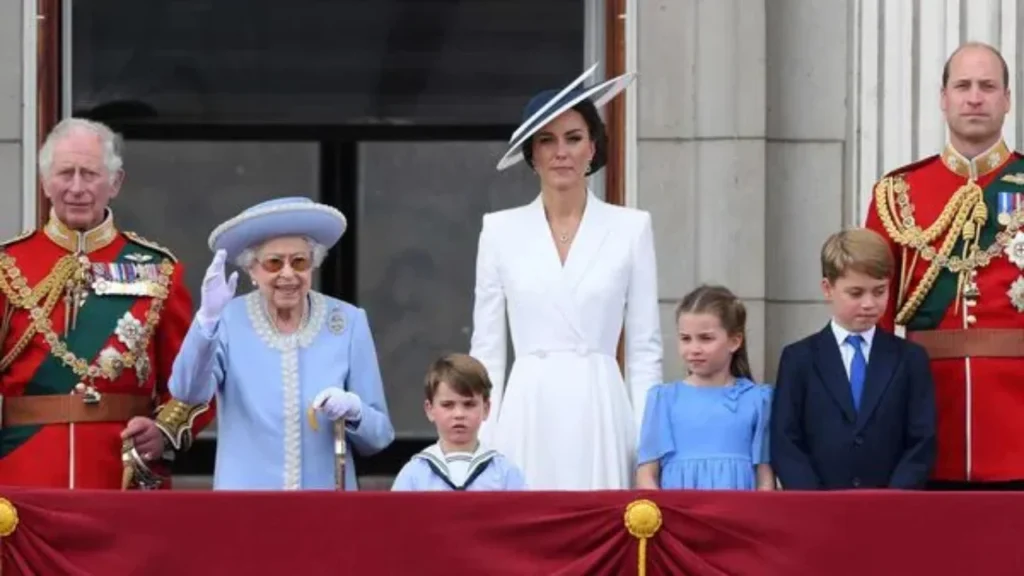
1015, 250
126, 279
111, 363
1016, 293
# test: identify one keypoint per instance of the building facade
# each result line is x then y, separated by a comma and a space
755, 129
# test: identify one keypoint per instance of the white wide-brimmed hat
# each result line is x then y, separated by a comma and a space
292, 216
548, 105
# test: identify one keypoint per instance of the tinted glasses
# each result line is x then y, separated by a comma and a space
298, 263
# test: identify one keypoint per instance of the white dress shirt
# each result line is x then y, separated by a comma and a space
846, 349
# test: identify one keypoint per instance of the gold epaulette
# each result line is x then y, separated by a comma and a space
132, 236
24, 235
175, 420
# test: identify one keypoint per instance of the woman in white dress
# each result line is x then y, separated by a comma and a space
568, 272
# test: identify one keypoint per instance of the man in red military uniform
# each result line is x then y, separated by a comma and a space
954, 222
92, 320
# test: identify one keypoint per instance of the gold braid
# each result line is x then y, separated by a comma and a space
51, 288
963, 217
15, 288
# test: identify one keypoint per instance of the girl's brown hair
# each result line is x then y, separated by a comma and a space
724, 305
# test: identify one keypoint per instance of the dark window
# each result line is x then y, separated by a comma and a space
177, 192
352, 62
420, 210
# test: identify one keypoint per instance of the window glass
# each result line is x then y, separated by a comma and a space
421, 205
318, 62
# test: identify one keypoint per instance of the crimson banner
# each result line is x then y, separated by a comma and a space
82, 533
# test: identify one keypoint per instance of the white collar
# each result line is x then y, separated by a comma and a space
841, 334
439, 460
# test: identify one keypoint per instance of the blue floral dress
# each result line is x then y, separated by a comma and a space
706, 437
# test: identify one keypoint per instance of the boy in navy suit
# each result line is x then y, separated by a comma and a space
854, 406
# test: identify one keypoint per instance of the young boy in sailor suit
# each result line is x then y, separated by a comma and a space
458, 395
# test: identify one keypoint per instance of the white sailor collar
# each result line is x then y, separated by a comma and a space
438, 462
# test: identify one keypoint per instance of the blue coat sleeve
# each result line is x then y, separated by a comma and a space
198, 370
514, 479
406, 479
788, 446
919, 452
373, 432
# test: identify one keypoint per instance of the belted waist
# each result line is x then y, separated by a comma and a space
973, 343
581, 350
72, 408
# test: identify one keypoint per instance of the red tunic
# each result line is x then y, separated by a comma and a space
86, 454
980, 400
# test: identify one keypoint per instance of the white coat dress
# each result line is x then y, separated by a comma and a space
565, 417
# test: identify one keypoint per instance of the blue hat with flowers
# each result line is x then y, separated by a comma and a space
548, 105
290, 216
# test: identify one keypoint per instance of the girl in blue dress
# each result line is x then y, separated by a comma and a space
709, 431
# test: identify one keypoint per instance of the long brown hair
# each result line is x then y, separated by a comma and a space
730, 311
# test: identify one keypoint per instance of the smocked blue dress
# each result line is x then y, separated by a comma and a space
706, 437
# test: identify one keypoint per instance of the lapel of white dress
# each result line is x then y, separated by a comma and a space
586, 247
583, 254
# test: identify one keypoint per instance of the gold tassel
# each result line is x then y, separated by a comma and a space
643, 520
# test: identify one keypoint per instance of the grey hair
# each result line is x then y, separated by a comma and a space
112, 145
248, 256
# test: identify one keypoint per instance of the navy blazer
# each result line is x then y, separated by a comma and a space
818, 441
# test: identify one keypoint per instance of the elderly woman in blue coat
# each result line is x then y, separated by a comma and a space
283, 361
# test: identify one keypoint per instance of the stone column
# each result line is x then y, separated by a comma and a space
701, 152
807, 129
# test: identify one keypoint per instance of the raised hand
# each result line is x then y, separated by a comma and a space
217, 290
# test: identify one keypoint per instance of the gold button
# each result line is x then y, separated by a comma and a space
971, 319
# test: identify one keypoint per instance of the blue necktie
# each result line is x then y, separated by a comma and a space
858, 368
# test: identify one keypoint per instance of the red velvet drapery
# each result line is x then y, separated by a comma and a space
701, 533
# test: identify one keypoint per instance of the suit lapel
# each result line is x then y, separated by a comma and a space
881, 369
829, 364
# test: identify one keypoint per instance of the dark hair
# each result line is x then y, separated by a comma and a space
598, 135
990, 48
730, 311
463, 374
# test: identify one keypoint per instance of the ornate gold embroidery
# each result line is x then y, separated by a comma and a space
15, 287
962, 218
175, 420
81, 242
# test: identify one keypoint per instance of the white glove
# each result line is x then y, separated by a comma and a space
337, 403
216, 291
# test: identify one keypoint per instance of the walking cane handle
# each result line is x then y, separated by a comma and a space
339, 454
